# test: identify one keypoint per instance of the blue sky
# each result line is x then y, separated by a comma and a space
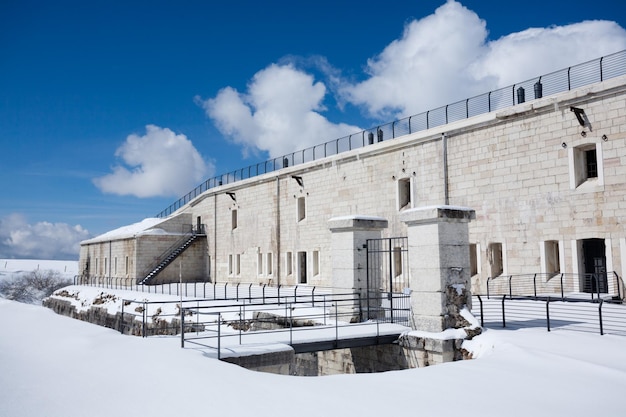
110, 111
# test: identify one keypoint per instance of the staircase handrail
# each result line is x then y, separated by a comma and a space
186, 236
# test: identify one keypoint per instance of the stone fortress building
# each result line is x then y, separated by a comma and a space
535, 173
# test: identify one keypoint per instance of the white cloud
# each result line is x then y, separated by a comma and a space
159, 163
425, 66
440, 59
537, 51
280, 113
41, 240
445, 57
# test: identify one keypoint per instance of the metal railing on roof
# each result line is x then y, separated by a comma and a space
600, 69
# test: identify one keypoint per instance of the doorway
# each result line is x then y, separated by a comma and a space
594, 261
302, 279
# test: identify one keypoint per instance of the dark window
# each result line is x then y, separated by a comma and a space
592, 163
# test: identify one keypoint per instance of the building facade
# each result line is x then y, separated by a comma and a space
546, 179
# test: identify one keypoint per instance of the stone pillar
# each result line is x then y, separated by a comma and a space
349, 255
439, 265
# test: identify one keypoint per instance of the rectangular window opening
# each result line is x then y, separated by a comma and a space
302, 278
269, 264
591, 163
289, 263
259, 265
552, 261
301, 209
473, 259
238, 264
316, 262
404, 193
397, 262
233, 219
495, 259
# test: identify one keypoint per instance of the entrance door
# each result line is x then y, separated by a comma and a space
302, 267
594, 256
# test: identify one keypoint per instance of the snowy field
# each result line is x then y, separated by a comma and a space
10, 267
52, 365
56, 366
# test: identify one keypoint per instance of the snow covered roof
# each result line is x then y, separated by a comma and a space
144, 227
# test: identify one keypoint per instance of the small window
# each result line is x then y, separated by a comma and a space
289, 263
586, 165
233, 219
316, 262
115, 265
495, 259
126, 266
551, 258
397, 262
404, 193
230, 264
269, 264
591, 163
473, 254
301, 209
96, 270
238, 264
259, 265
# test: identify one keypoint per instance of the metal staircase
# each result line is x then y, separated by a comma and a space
170, 255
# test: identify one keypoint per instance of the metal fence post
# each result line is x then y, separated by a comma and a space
482, 316
548, 313
290, 325
182, 326
336, 323
219, 335
503, 318
143, 324
600, 317
601, 74
122, 319
240, 322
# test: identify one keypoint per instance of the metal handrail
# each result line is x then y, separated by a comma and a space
331, 310
600, 69
525, 312
528, 284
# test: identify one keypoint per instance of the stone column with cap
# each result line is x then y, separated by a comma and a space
349, 254
439, 263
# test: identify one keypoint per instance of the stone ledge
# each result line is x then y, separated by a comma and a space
340, 224
432, 214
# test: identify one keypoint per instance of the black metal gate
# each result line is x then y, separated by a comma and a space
388, 297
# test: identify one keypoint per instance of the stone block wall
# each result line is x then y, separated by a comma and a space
514, 167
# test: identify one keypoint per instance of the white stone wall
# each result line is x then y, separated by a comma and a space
510, 166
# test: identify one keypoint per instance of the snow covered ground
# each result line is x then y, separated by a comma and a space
52, 365
56, 366
10, 267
